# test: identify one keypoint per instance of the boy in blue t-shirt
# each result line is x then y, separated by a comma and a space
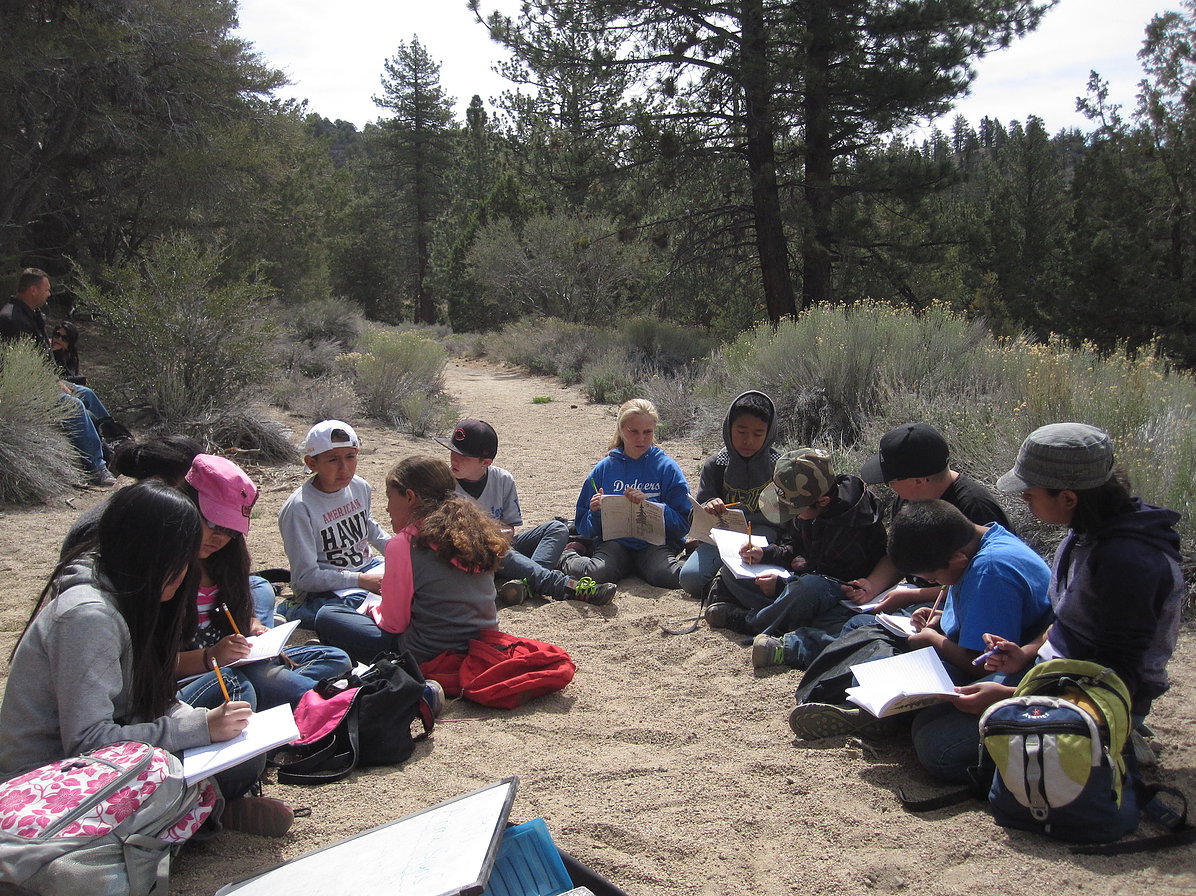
994, 582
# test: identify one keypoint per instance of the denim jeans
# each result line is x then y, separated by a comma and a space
307, 611
81, 430
534, 555
699, 569
355, 633
275, 683
262, 595
808, 601
269, 682
205, 690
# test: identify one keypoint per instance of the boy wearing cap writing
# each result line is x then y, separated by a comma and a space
832, 531
528, 566
328, 529
914, 461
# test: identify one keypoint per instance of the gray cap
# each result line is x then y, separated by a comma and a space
1074, 456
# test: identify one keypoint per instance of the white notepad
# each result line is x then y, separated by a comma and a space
266, 730
729, 543
268, 644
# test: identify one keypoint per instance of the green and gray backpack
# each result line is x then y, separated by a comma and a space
1059, 749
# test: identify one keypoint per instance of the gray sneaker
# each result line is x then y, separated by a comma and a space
767, 650
512, 593
810, 721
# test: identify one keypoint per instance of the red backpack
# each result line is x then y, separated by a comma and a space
501, 670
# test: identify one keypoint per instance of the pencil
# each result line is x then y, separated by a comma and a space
942, 591
231, 621
735, 504
220, 678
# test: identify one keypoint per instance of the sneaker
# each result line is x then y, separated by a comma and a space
725, 614
587, 590
512, 593
102, 478
261, 815
279, 619
1143, 750
767, 651
433, 697
811, 721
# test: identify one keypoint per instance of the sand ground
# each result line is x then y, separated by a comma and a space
667, 765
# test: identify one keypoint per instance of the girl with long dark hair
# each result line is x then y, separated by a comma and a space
225, 496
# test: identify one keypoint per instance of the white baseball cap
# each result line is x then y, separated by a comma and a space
319, 437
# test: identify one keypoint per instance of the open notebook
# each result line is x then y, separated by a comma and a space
446, 850
901, 683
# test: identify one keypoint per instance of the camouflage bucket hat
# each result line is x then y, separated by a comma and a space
799, 478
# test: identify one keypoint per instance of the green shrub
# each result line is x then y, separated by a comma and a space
37, 460
399, 379
663, 346
336, 321
187, 344
610, 379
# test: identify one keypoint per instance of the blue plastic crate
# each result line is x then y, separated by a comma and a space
528, 864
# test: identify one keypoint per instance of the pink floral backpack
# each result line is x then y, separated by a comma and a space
105, 822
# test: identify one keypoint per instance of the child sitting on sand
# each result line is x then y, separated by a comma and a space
438, 589
638, 469
735, 476
328, 529
529, 566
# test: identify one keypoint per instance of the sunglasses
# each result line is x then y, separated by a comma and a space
221, 530
61, 336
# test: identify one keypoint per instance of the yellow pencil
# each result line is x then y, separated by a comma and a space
942, 591
231, 621
220, 678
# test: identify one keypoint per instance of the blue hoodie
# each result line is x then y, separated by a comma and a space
1117, 594
655, 474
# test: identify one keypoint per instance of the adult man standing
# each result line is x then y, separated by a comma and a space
22, 318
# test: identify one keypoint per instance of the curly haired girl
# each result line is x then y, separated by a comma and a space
438, 588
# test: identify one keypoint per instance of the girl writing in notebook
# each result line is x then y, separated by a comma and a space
438, 589
637, 468
95, 663
225, 496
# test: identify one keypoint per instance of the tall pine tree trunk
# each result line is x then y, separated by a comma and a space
771, 243
819, 161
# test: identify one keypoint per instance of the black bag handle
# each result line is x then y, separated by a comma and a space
330, 762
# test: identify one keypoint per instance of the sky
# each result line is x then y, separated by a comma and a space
334, 52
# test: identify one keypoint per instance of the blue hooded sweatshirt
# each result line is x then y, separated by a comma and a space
655, 474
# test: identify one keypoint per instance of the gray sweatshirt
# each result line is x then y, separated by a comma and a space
66, 691
327, 537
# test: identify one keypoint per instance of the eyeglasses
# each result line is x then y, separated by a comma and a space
221, 530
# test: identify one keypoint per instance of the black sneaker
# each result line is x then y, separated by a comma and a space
725, 614
591, 592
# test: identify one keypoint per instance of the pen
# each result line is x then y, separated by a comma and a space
594, 484
980, 659
231, 621
220, 678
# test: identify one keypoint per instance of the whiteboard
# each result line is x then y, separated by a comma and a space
446, 850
